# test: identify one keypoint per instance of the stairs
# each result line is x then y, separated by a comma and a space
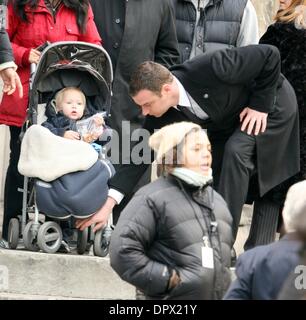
31, 275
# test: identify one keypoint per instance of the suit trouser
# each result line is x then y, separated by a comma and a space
264, 223
13, 181
238, 165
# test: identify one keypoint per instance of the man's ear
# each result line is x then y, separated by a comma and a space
166, 88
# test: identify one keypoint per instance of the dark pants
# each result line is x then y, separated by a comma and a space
145, 179
264, 223
238, 166
13, 181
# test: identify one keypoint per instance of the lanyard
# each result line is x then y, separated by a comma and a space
211, 226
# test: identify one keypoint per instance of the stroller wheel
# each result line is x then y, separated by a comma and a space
101, 242
30, 236
49, 237
82, 242
13, 233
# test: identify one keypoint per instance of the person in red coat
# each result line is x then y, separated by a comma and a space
30, 25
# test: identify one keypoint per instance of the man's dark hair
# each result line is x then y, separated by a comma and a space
149, 76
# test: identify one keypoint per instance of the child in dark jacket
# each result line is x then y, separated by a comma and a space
64, 112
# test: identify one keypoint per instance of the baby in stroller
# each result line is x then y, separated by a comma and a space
68, 117
64, 114
64, 176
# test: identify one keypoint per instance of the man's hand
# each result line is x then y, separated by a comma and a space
99, 218
11, 81
73, 135
253, 120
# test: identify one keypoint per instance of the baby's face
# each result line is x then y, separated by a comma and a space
72, 104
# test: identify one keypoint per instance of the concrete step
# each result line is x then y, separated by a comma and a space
16, 296
32, 275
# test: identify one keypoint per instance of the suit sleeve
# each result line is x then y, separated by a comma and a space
166, 48
241, 287
256, 66
6, 54
132, 238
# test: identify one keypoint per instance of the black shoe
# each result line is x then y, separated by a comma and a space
233, 257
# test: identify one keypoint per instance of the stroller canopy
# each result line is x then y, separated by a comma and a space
73, 64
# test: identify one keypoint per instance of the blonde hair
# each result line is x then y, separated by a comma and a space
60, 94
294, 213
292, 13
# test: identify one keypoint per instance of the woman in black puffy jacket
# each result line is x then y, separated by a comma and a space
173, 239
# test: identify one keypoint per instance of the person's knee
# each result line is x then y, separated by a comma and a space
239, 154
232, 153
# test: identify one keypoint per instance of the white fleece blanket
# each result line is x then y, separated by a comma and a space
47, 156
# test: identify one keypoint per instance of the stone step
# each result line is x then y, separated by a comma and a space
32, 275
16, 296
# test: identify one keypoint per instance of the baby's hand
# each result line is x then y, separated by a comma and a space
69, 134
88, 137
99, 120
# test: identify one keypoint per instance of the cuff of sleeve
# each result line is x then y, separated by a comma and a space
60, 132
116, 195
159, 279
264, 103
6, 65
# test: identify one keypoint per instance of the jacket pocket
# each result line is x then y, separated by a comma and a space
72, 32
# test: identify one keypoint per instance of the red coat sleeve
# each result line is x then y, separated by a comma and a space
13, 22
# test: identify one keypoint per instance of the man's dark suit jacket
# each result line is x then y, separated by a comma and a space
223, 83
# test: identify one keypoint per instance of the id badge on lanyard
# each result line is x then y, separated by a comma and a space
207, 254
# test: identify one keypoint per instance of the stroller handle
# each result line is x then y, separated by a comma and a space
32, 69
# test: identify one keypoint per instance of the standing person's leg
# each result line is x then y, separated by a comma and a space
218, 140
13, 181
126, 156
264, 223
237, 167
